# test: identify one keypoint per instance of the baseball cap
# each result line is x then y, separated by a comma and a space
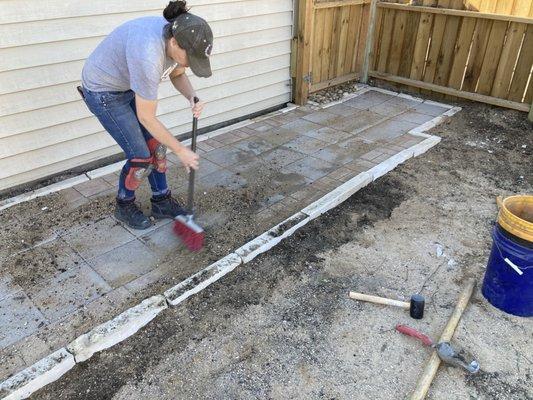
194, 35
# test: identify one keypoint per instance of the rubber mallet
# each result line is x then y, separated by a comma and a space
415, 306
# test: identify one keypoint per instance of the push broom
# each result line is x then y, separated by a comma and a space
185, 227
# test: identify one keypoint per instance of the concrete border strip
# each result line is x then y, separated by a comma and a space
130, 321
116, 330
40, 374
202, 279
272, 237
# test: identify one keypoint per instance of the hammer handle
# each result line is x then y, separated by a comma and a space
379, 300
407, 330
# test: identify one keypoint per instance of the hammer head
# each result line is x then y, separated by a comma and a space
416, 309
450, 356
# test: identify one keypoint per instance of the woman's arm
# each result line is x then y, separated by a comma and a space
146, 112
183, 85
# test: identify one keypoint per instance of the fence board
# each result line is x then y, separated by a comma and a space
461, 51
523, 68
386, 39
326, 43
317, 47
422, 42
492, 56
353, 37
343, 38
334, 52
363, 32
437, 36
411, 28
477, 54
398, 34
508, 58
445, 58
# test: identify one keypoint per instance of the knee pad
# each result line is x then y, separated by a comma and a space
159, 155
140, 168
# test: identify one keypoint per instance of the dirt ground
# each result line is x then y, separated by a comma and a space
283, 327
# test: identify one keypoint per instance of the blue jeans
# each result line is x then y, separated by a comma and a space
117, 113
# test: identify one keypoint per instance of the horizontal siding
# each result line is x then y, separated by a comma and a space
35, 10
45, 128
18, 144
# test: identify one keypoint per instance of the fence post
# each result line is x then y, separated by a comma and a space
303, 60
369, 41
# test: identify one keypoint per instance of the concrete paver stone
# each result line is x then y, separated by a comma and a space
68, 291
19, 317
125, 263
98, 238
311, 167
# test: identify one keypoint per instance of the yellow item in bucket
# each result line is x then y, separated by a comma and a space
516, 216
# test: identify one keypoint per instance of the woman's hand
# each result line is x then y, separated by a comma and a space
196, 108
188, 158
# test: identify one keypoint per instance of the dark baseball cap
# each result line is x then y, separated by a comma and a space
194, 35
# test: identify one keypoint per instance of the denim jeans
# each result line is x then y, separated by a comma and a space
117, 113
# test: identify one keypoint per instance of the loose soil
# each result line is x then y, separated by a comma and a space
282, 327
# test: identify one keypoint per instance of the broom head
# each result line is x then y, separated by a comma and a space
190, 232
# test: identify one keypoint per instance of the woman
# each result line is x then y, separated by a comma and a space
120, 81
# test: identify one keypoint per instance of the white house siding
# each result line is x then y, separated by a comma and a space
45, 128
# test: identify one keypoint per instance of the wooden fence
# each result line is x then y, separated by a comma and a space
475, 49
331, 43
483, 56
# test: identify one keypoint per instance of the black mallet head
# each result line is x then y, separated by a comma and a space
416, 309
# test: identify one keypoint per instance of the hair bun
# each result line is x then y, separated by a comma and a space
174, 9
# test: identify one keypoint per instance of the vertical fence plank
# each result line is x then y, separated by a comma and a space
334, 43
422, 42
357, 26
409, 41
377, 38
445, 58
492, 57
317, 50
386, 39
511, 48
398, 34
477, 54
351, 40
343, 39
461, 51
523, 68
437, 36
326, 44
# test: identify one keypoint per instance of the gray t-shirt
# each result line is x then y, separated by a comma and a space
131, 57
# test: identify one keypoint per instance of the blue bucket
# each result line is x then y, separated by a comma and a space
508, 283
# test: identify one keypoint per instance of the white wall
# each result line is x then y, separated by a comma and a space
45, 128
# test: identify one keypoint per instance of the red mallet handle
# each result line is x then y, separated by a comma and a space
406, 330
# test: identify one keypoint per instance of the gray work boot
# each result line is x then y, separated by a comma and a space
166, 207
128, 212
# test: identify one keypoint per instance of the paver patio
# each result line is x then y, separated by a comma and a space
97, 268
